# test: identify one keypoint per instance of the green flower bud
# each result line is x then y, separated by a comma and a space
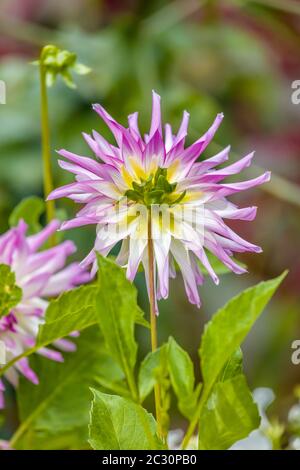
55, 61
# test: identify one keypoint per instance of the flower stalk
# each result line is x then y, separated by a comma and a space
53, 62
46, 150
153, 326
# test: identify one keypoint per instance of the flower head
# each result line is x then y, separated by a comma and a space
157, 182
40, 274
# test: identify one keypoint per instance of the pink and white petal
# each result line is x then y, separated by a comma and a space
50, 260
23, 366
137, 247
182, 131
84, 162
116, 129
225, 190
245, 213
9, 249
77, 170
71, 190
65, 345
173, 158
77, 222
233, 246
201, 255
156, 116
102, 149
181, 256
12, 376
65, 280
107, 188
161, 238
161, 252
35, 285
169, 137
7, 245
130, 147
51, 354
196, 269
154, 153
217, 226
107, 152
134, 128
218, 175
172, 269
145, 262
122, 258
221, 254
200, 168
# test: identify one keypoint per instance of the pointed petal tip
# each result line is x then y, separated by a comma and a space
155, 94
62, 152
268, 175
250, 158
98, 108
227, 151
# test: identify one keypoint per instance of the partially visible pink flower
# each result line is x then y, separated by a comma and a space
159, 170
40, 275
4, 445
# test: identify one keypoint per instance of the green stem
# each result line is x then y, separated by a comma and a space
46, 151
194, 422
153, 329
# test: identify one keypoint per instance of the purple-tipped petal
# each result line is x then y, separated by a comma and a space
156, 116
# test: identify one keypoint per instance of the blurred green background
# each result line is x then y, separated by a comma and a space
235, 56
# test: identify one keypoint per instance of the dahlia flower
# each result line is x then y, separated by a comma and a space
141, 174
40, 274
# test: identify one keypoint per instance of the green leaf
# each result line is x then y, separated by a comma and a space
117, 310
140, 319
147, 373
10, 293
73, 310
58, 408
182, 376
233, 367
76, 310
229, 327
30, 210
229, 415
119, 424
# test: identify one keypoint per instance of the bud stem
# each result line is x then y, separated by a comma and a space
46, 151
